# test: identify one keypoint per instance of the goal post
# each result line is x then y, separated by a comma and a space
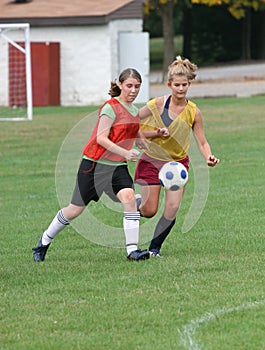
15, 72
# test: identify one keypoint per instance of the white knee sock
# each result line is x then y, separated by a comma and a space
131, 230
57, 225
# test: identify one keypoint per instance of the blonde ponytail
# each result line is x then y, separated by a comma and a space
182, 67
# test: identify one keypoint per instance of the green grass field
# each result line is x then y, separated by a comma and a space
208, 291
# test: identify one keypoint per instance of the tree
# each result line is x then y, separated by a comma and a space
261, 53
241, 9
187, 29
165, 9
236, 7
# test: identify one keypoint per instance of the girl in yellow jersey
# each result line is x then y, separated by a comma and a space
166, 123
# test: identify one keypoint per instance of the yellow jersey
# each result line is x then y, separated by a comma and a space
177, 144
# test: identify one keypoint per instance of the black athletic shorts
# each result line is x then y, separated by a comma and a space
94, 178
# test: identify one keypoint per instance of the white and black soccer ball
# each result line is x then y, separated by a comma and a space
173, 176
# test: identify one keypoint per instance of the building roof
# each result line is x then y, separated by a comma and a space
68, 12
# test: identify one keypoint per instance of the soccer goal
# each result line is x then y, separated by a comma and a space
15, 72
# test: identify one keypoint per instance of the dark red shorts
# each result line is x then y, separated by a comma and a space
147, 170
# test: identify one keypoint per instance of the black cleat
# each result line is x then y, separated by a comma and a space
40, 251
138, 254
155, 253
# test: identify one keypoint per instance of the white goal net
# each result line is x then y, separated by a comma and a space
15, 72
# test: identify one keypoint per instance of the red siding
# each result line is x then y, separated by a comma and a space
17, 77
45, 60
45, 69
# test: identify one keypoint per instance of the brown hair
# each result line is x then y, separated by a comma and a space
125, 74
181, 67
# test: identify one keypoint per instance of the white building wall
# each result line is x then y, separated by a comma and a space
84, 62
88, 59
115, 27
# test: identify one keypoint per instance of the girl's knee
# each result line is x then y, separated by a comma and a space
126, 196
148, 212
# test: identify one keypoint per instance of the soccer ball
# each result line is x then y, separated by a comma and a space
173, 176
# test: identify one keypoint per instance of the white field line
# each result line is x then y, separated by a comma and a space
188, 332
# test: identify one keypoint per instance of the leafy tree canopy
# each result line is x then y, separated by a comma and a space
237, 8
150, 5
